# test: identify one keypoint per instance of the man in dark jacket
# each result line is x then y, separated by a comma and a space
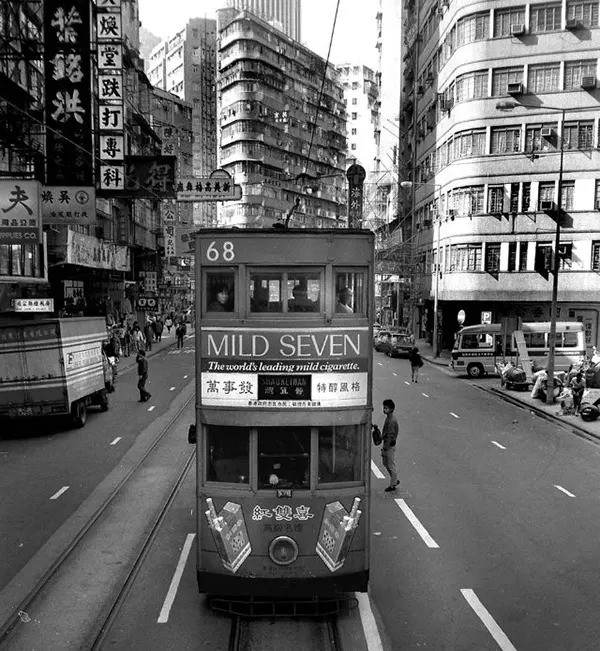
142, 363
389, 434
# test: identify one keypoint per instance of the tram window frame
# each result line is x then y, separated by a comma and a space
335, 434
286, 279
227, 433
282, 436
353, 279
213, 279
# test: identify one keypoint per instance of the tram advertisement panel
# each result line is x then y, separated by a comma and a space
284, 367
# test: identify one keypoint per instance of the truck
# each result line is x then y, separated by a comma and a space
53, 367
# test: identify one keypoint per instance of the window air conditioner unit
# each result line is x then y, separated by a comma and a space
547, 132
515, 88
546, 206
517, 30
588, 82
573, 23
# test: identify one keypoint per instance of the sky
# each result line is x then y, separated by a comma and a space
354, 36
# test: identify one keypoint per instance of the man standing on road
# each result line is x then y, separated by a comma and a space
142, 363
389, 434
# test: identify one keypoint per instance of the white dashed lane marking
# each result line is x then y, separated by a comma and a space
489, 622
115, 441
184, 377
424, 394
453, 414
376, 470
564, 490
412, 518
152, 408
405, 382
498, 445
395, 374
163, 617
56, 495
172, 389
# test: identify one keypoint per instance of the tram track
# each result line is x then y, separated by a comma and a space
273, 634
25, 604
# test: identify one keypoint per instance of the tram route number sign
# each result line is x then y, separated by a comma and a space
147, 302
284, 387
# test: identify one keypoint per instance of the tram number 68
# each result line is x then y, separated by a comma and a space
213, 254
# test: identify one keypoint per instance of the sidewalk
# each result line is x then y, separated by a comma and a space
167, 341
521, 399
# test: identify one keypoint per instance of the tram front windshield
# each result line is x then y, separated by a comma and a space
284, 457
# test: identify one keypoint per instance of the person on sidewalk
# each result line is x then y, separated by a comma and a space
578, 386
416, 361
138, 339
142, 363
180, 333
158, 328
148, 334
169, 324
389, 435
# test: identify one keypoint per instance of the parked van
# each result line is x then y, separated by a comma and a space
479, 348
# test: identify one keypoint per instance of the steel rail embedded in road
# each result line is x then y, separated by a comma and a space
19, 609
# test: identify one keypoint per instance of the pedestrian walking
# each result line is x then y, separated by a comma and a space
168, 324
389, 434
578, 387
148, 334
158, 328
180, 333
138, 339
142, 363
416, 361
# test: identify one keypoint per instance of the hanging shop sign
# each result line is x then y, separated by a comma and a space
68, 204
184, 241
19, 211
67, 92
150, 176
89, 251
33, 304
111, 96
219, 186
356, 177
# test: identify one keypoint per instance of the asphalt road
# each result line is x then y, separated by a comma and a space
491, 541
47, 469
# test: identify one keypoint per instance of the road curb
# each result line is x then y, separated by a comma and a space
576, 429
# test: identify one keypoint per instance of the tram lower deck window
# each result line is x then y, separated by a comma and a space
339, 454
284, 457
228, 457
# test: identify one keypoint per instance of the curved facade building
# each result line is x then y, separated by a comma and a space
499, 103
282, 14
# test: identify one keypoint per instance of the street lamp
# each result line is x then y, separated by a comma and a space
509, 106
410, 184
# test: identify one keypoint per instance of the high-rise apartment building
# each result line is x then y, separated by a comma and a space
500, 104
282, 127
185, 65
283, 14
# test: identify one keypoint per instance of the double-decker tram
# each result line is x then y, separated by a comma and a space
283, 415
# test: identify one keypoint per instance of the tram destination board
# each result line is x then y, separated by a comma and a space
284, 387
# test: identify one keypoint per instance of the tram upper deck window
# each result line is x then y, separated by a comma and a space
283, 291
284, 457
350, 294
220, 288
228, 454
339, 454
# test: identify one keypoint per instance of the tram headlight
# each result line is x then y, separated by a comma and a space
283, 550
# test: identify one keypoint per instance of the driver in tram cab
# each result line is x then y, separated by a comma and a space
343, 306
222, 301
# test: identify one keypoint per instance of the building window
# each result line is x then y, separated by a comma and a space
526, 198
523, 248
514, 198
496, 200
586, 11
504, 19
595, 256
465, 257
565, 255
492, 258
353, 147
354, 85
578, 135
544, 77
468, 143
354, 116
597, 195
568, 192
512, 256
466, 201
576, 70
501, 77
472, 85
545, 17
546, 192
353, 132
534, 140
354, 101
543, 257
505, 140
473, 28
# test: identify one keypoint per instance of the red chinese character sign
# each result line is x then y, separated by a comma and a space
19, 211
356, 178
68, 103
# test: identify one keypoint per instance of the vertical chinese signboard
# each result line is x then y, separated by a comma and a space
356, 177
68, 103
111, 110
19, 212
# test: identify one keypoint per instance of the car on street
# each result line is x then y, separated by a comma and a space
400, 344
383, 340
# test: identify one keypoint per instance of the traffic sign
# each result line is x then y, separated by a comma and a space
219, 186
